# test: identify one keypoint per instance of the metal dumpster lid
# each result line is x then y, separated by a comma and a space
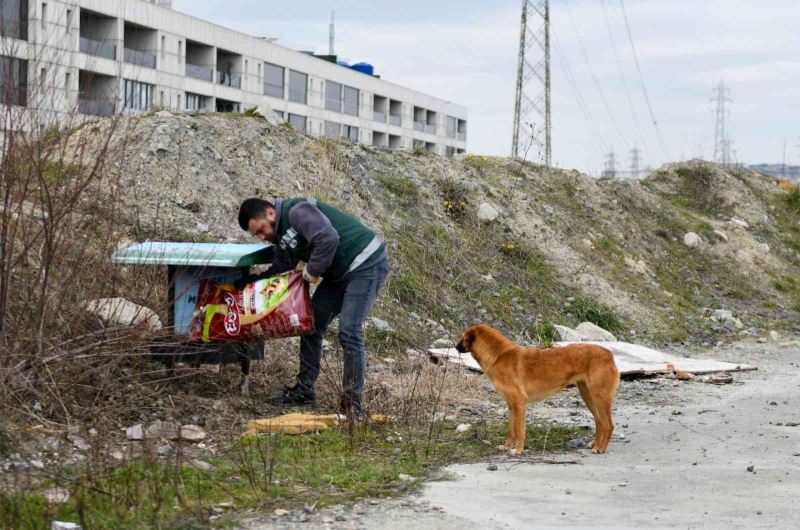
196, 254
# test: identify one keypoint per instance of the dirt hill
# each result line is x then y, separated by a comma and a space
484, 238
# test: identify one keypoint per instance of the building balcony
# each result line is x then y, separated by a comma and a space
419, 126
99, 48
395, 120
231, 80
139, 58
96, 106
462, 136
430, 128
200, 72
379, 116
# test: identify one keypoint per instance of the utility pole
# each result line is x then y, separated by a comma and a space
722, 143
635, 161
332, 33
533, 72
610, 170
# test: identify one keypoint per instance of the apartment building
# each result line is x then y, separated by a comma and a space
101, 57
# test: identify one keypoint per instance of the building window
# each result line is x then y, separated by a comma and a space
163, 47
69, 21
350, 132
13, 81
333, 96
452, 127
67, 81
298, 87
333, 129
138, 95
273, 80
161, 99
351, 101
14, 19
223, 105
259, 72
179, 102
180, 51
194, 102
44, 15
298, 122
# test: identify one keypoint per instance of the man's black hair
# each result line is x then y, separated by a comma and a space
252, 208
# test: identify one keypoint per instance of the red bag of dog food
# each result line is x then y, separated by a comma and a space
274, 307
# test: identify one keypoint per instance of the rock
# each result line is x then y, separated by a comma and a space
200, 464
192, 433
774, 335
438, 416
265, 111
80, 444
280, 512
751, 468
442, 343
135, 432
165, 450
548, 209
202, 228
738, 222
56, 495
117, 455
60, 525
162, 429
119, 312
405, 478
592, 332
163, 114
487, 212
692, 240
565, 334
721, 235
577, 443
463, 427
722, 315
491, 467
380, 325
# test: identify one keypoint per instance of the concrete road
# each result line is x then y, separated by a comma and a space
682, 466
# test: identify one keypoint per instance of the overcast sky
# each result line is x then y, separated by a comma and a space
466, 52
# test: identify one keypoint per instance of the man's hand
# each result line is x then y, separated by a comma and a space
313, 280
224, 288
244, 281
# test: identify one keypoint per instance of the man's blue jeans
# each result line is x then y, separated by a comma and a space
352, 298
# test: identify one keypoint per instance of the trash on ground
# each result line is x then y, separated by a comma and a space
631, 359
301, 423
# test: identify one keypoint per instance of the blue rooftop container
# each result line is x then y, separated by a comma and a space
364, 68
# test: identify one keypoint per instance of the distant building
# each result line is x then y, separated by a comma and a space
102, 57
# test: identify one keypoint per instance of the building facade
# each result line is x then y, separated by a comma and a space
101, 57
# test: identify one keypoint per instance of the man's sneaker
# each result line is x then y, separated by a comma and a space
351, 407
294, 395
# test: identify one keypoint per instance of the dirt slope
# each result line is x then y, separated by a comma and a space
563, 249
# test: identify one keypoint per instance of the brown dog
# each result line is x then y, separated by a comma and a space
521, 375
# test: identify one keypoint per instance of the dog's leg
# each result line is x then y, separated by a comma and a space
583, 388
519, 425
602, 390
510, 438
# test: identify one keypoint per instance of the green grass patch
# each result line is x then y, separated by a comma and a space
263, 473
587, 309
401, 186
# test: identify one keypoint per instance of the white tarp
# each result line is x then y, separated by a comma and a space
630, 359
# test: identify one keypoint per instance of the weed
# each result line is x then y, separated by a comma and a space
480, 163
401, 186
455, 198
586, 309
331, 467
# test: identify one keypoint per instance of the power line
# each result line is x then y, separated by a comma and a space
591, 72
578, 97
641, 80
624, 79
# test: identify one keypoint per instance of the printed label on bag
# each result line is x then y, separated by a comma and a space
294, 319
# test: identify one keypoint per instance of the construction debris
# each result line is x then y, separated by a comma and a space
631, 359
